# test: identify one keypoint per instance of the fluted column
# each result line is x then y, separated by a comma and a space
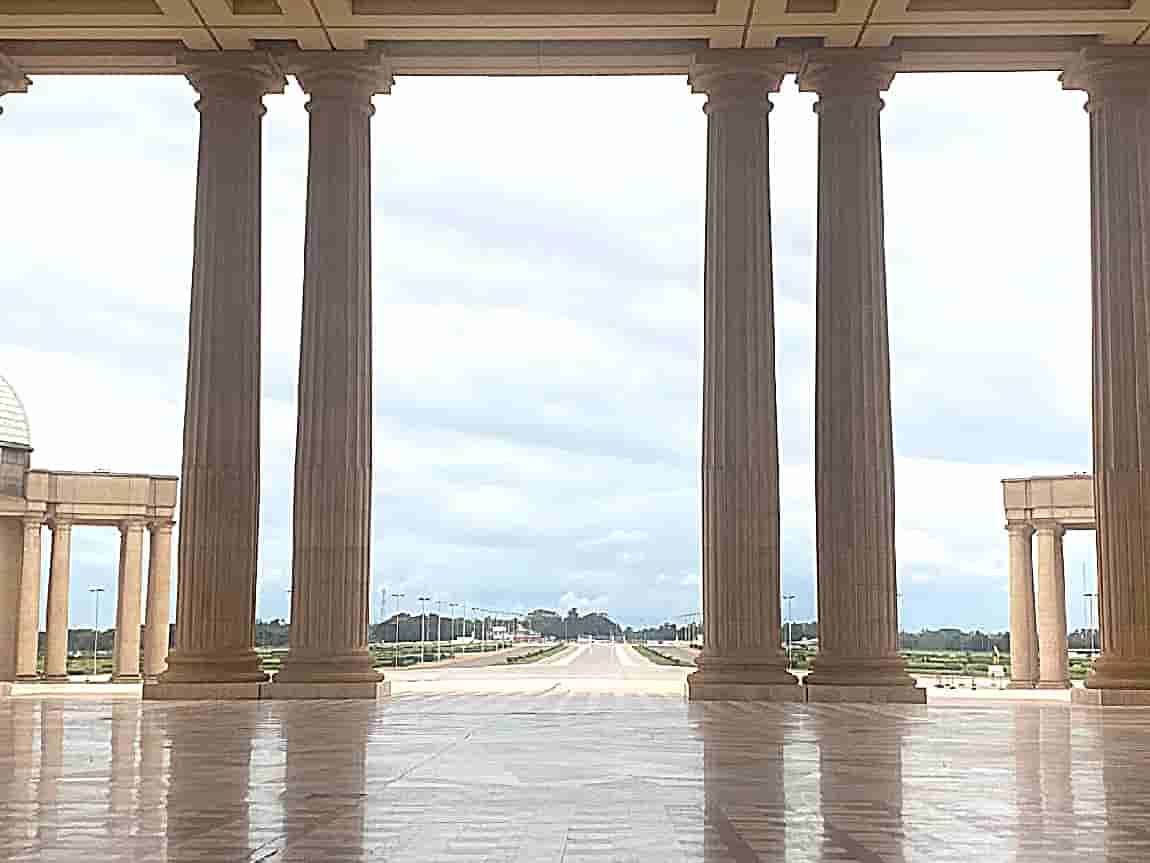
159, 601
854, 454
1053, 652
1023, 623
56, 638
126, 649
12, 79
28, 615
742, 652
1118, 82
219, 490
331, 536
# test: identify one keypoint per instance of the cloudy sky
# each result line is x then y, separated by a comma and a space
538, 300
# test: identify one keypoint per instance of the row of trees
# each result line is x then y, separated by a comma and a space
550, 624
945, 638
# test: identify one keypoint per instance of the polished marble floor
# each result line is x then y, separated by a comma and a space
563, 776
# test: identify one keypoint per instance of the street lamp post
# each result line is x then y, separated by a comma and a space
397, 597
454, 605
1089, 597
439, 632
788, 598
96, 638
423, 600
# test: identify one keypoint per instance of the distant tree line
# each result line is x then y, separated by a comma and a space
573, 625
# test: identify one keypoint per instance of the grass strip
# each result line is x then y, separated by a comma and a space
536, 655
659, 658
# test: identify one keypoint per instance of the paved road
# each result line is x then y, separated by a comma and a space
596, 667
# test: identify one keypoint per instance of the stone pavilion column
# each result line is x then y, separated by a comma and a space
12, 79
331, 539
214, 653
742, 653
56, 638
126, 649
159, 599
858, 658
28, 615
1023, 623
1117, 79
1053, 654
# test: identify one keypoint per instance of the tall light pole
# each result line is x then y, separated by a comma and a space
454, 605
439, 633
1089, 597
96, 638
789, 598
397, 597
423, 600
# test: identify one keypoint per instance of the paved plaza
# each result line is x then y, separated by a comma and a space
568, 772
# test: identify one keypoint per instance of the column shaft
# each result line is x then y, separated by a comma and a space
219, 490
126, 650
742, 653
1023, 623
159, 601
331, 537
28, 616
1118, 82
854, 453
56, 639
1053, 653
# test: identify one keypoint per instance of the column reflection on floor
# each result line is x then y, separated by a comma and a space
861, 785
324, 797
745, 797
207, 802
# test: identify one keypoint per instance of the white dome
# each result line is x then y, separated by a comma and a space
13, 420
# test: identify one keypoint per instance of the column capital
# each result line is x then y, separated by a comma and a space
1019, 528
345, 76
60, 522
1049, 526
33, 520
161, 525
12, 78
1107, 72
851, 72
235, 75
133, 523
738, 76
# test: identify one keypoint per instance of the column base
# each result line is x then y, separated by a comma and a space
126, 678
880, 672
55, 678
1119, 672
1022, 684
1053, 684
27, 678
306, 691
700, 688
832, 694
302, 666
1081, 697
163, 691
264, 691
230, 667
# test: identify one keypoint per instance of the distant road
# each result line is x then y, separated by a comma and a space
578, 668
